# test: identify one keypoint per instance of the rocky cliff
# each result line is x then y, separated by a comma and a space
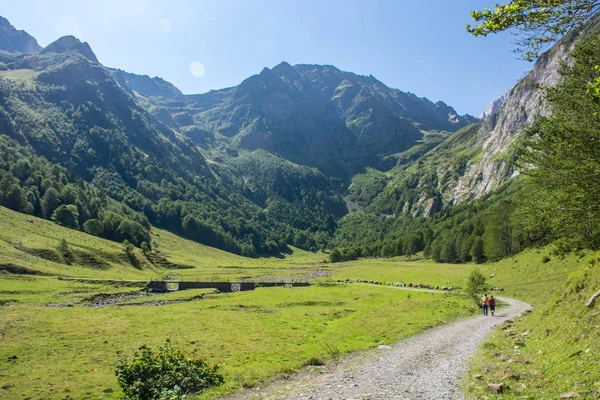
16, 41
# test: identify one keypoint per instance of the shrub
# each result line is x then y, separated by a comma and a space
165, 374
65, 251
476, 285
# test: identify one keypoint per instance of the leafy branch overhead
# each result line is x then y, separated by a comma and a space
537, 23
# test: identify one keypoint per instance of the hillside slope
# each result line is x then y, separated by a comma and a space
554, 350
249, 169
313, 115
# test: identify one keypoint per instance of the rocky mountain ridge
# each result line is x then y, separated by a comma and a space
493, 107
16, 41
264, 163
315, 115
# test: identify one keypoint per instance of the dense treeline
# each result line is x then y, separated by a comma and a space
32, 185
486, 229
557, 201
72, 112
297, 195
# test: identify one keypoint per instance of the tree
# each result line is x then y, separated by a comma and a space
537, 22
560, 152
498, 237
50, 202
16, 200
335, 256
476, 285
93, 227
412, 244
132, 231
66, 215
448, 252
476, 252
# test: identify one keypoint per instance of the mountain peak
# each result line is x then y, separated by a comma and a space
15, 41
4, 23
71, 43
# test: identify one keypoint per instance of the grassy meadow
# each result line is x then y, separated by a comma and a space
54, 345
554, 350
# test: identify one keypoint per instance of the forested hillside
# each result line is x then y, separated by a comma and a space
248, 169
303, 155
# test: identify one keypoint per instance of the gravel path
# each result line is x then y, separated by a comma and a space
426, 366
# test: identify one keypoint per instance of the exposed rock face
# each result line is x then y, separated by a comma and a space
144, 85
318, 115
523, 103
15, 41
493, 107
70, 43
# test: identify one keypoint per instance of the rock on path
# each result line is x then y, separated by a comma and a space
429, 365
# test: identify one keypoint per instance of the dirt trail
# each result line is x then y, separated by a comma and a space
429, 365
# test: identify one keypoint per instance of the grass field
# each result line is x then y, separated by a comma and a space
64, 348
397, 269
24, 238
554, 350
53, 345
253, 335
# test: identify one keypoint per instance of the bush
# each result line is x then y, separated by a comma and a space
476, 286
166, 374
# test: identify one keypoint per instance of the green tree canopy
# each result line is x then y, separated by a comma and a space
562, 151
537, 22
66, 215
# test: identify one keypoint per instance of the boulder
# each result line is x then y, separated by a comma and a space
496, 387
569, 395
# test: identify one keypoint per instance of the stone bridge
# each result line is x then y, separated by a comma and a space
225, 287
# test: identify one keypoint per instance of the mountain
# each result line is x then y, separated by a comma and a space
71, 128
143, 84
70, 44
438, 173
276, 160
315, 115
493, 107
14, 41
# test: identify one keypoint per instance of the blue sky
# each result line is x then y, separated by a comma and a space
417, 46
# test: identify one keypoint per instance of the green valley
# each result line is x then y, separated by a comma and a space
308, 231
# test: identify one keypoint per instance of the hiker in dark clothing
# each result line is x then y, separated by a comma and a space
492, 304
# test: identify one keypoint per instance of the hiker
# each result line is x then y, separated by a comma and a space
484, 305
492, 304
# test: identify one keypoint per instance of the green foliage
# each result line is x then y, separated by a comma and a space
168, 373
560, 155
538, 22
65, 251
476, 286
553, 340
488, 228
93, 227
66, 215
